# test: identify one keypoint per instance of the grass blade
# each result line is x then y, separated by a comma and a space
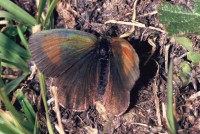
4, 14
15, 59
43, 90
8, 44
15, 113
49, 12
8, 64
12, 124
18, 12
36, 126
4, 129
13, 84
170, 114
23, 39
1, 80
13, 53
27, 107
40, 9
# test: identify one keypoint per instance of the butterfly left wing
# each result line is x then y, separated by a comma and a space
69, 57
124, 72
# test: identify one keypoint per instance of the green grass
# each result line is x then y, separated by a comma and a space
170, 114
15, 55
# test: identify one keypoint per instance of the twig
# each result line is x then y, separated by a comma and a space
16, 94
9, 76
156, 99
194, 96
54, 91
133, 19
164, 109
33, 71
142, 36
152, 50
3, 22
135, 23
140, 124
6, 27
148, 14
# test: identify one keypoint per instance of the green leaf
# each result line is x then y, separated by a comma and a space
179, 20
12, 31
185, 78
194, 57
185, 75
185, 42
186, 67
18, 12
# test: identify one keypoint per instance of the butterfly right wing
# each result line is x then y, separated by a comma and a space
124, 72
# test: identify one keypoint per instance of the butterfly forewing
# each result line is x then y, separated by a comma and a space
55, 51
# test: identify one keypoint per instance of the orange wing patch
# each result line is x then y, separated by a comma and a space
47, 46
127, 53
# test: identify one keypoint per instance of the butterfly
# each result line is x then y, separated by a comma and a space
87, 69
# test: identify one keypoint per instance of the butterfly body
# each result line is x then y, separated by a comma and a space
85, 67
104, 52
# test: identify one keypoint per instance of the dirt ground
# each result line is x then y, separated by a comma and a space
146, 113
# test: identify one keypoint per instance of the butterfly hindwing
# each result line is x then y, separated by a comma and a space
79, 84
124, 71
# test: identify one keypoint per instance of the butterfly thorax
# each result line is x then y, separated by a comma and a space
104, 52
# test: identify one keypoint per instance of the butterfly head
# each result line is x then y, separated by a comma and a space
104, 48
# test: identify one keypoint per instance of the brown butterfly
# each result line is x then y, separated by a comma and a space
86, 68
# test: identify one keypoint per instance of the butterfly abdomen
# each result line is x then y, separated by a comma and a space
103, 75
